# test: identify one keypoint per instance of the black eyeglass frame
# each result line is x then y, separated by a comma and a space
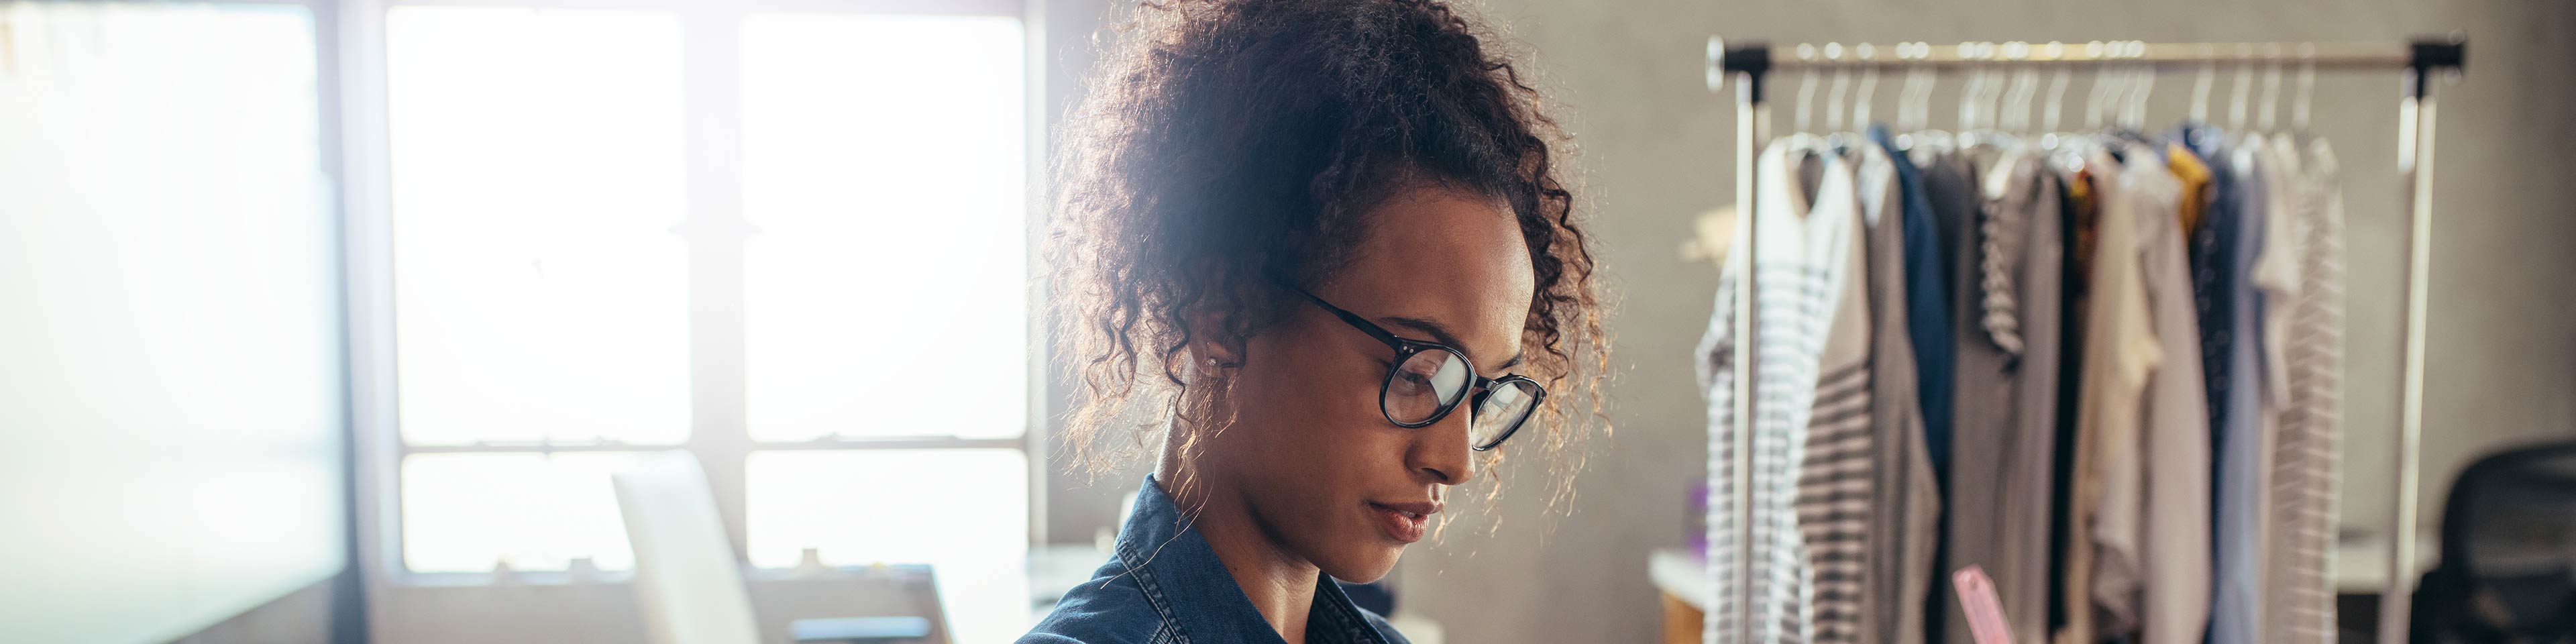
1406, 348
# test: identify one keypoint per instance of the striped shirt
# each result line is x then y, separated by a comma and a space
2305, 461
1807, 254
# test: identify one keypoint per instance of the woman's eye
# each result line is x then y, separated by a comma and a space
1411, 381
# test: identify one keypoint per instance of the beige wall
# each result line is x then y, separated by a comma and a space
1659, 147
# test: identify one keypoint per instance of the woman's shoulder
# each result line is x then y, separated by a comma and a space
1110, 608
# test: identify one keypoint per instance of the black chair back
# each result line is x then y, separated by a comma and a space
2508, 570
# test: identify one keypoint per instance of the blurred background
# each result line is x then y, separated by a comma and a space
336, 321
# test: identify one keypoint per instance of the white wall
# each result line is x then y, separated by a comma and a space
1659, 148
170, 377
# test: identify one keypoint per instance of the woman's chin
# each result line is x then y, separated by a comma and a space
1365, 564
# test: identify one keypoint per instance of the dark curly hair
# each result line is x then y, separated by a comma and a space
1226, 144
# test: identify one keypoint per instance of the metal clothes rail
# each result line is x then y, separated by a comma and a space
2421, 61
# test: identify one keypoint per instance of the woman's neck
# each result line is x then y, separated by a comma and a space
1281, 586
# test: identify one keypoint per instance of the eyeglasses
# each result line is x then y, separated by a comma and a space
1429, 379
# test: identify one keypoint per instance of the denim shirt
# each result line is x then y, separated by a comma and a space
1164, 585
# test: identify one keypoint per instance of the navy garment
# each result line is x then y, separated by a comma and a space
2214, 267
2213, 258
1164, 585
1927, 306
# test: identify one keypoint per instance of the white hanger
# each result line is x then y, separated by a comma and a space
1868, 86
2101, 88
2200, 88
1806, 89
2025, 86
2271, 90
2300, 107
1970, 92
1842, 85
2145, 86
1919, 82
2056, 100
2244, 90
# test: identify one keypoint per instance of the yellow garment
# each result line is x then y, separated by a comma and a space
2195, 186
2079, 195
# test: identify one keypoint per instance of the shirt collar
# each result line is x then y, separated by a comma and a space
1190, 587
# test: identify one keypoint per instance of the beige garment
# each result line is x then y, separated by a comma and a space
2174, 545
2120, 351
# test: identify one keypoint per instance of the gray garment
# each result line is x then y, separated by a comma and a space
2008, 374
1900, 569
1981, 385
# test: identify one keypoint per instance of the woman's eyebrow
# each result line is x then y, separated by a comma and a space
1440, 333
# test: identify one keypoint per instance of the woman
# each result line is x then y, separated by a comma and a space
1308, 244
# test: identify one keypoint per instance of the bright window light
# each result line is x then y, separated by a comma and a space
543, 282
884, 160
537, 172
464, 512
964, 512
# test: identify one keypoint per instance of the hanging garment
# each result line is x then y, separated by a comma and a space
2195, 176
1951, 186
1834, 477
2008, 393
2243, 435
2213, 257
2174, 550
2077, 207
2120, 352
1927, 304
1906, 508
2306, 460
1804, 261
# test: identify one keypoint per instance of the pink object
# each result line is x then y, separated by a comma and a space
1985, 610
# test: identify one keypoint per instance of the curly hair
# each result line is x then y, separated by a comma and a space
1228, 143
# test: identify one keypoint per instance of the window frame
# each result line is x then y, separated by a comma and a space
353, 58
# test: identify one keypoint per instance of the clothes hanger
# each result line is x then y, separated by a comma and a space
2200, 87
2025, 87
2101, 90
2306, 101
1836, 102
1843, 141
2066, 148
2271, 92
2009, 87
1920, 132
2236, 102
1868, 86
1806, 91
2144, 85
2050, 117
1841, 89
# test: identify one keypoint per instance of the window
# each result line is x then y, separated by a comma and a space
792, 244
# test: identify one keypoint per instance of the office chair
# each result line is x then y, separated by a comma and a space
686, 576
2508, 569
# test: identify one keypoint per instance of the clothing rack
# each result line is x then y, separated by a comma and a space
2420, 61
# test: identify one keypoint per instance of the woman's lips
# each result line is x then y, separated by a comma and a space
1403, 522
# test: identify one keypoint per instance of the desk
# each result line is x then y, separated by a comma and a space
2360, 568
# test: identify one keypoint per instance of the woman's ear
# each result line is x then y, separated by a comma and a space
1217, 335
1213, 353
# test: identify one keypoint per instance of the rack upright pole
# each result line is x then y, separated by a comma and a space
1752, 122
2415, 163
